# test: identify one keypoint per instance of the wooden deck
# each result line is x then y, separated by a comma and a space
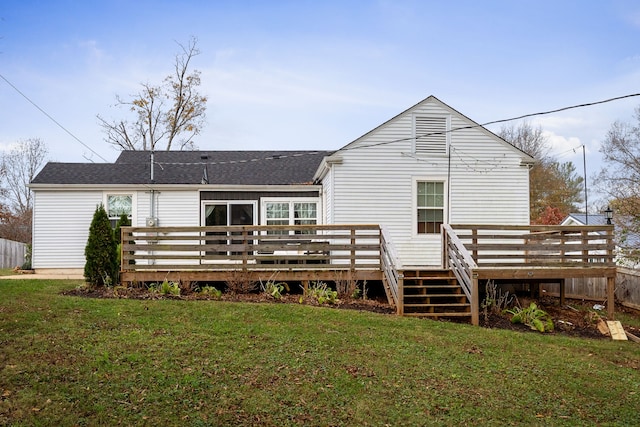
257, 253
528, 254
305, 253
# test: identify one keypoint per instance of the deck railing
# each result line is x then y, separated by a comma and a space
251, 247
389, 263
532, 252
459, 260
538, 245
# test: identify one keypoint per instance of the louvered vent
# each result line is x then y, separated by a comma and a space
431, 135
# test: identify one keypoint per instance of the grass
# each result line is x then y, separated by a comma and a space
74, 361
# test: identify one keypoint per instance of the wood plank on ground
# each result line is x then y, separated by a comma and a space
617, 331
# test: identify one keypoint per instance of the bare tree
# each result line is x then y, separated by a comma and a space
552, 185
20, 165
619, 179
527, 138
166, 116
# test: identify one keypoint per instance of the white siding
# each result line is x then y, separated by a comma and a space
61, 227
374, 184
62, 220
179, 208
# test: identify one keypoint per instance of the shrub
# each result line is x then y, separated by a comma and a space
123, 221
101, 266
239, 282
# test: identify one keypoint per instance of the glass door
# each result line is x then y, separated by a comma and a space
226, 214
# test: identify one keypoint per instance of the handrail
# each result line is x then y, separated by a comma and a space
388, 263
459, 260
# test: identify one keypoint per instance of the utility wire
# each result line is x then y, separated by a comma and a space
52, 119
476, 125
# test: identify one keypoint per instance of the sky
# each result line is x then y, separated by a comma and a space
318, 74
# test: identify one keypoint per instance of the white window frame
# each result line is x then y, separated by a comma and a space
447, 134
105, 203
414, 204
291, 201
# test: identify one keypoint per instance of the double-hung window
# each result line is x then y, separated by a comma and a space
118, 205
430, 206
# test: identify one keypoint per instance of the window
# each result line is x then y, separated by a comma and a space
290, 213
431, 134
117, 205
430, 205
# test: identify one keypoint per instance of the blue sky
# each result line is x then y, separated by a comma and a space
318, 74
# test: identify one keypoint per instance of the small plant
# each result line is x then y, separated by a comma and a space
494, 302
532, 316
240, 282
320, 292
274, 289
165, 288
346, 285
211, 291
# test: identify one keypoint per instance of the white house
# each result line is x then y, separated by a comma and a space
427, 166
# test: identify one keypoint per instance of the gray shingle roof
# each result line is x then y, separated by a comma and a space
188, 167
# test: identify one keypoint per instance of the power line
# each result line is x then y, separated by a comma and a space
541, 113
52, 119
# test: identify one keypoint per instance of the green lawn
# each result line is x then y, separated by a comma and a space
75, 361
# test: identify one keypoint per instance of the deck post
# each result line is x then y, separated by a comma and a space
400, 294
562, 291
475, 300
611, 303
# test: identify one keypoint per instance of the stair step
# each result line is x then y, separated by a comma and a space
432, 285
431, 305
455, 314
435, 296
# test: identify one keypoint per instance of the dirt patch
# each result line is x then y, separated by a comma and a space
575, 318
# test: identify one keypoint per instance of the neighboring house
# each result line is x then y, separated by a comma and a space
627, 244
427, 166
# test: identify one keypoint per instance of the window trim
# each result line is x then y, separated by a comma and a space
414, 204
414, 144
134, 203
291, 201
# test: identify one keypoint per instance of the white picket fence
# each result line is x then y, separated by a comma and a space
12, 254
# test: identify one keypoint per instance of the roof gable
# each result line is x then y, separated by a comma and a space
526, 158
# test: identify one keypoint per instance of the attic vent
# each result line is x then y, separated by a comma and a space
204, 157
431, 134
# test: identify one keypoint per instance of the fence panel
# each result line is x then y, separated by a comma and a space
12, 254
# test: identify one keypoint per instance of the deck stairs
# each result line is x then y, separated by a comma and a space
435, 294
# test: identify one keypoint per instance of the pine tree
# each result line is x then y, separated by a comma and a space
123, 221
101, 264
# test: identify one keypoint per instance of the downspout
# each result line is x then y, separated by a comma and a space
152, 200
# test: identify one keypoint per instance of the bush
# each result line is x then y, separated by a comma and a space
123, 221
101, 266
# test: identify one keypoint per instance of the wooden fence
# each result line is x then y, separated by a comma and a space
12, 254
627, 288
